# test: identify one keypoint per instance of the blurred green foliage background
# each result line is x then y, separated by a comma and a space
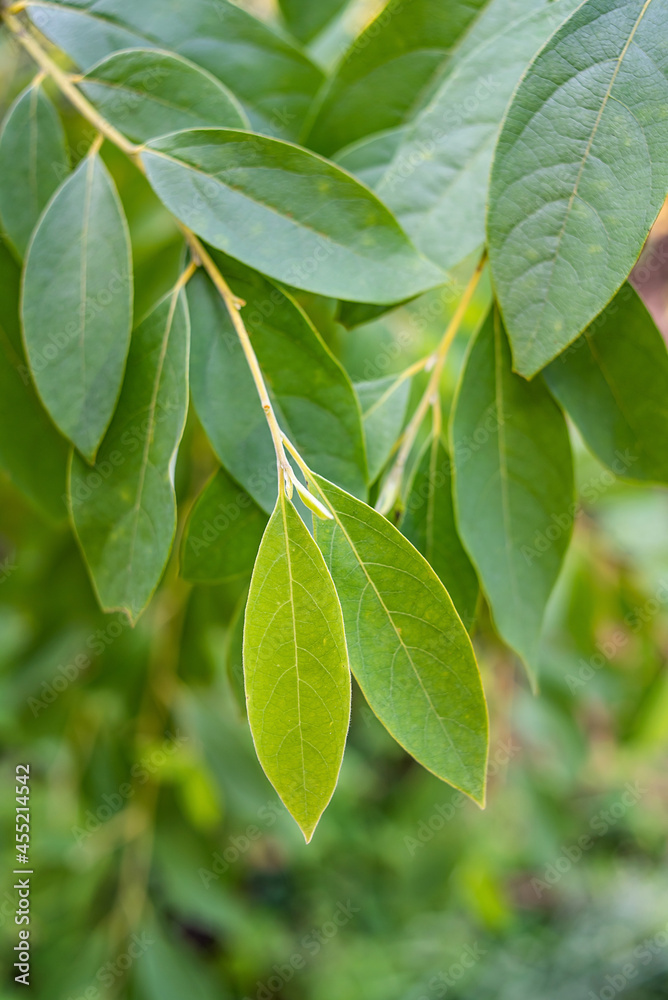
166, 869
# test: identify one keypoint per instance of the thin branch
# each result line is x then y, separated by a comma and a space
392, 486
65, 85
233, 304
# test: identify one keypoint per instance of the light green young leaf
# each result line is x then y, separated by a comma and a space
33, 162
287, 213
514, 493
306, 19
220, 37
313, 397
296, 668
429, 523
408, 649
146, 93
25, 428
124, 509
436, 181
613, 382
77, 304
223, 533
384, 402
580, 173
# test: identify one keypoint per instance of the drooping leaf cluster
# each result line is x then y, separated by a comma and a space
363, 526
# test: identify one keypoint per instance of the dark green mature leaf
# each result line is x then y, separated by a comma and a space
613, 382
384, 76
580, 173
272, 77
124, 509
25, 428
77, 304
296, 668
408, 648
146, 93
33, 162
313, 397
514, 496
223, 533
287, 213
429, 523
306, 19
436, 181
384, 402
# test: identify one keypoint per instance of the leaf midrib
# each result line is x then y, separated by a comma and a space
394, 627
618, 65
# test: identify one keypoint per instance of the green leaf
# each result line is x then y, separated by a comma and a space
146, 93
287, 213
429, 523
296, 668
408, 649
33, 162
32, 452
77, 304
313, 397
384, 402
390, 70
124, 509
369, 158
272, 77
223, 533
306, 19
514, 494
613, 382
436, 181
580, 173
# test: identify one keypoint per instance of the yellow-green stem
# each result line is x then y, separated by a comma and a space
392, 486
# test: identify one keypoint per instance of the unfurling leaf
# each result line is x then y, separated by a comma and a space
223, 533
580, 173
313, 397
613, 382
408, 649
287, 213
146, 93
514, 494
33, 162
429, 523
124, 509
296, 668
77, 304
